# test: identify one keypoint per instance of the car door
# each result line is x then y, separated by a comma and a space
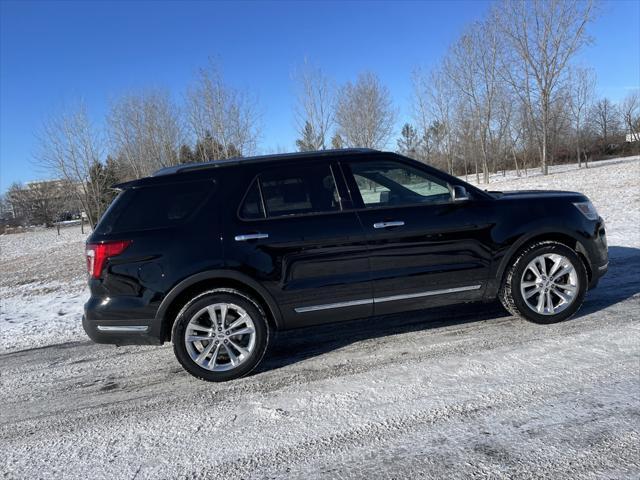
296, 233
425, 249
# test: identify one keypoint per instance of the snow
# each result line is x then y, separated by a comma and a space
42, 288
455, 392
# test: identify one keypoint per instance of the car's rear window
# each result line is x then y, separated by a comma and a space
155, 206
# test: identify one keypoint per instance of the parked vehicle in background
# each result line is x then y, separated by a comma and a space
217, 256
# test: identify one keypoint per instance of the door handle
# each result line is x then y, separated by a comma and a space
251, 236
388, 224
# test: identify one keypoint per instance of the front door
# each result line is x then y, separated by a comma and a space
294, 232
425, 249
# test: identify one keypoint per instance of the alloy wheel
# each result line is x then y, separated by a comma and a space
220, 337
549, 284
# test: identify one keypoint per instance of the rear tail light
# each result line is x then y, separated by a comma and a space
98, 253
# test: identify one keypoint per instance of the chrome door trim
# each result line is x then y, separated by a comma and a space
428, 293
123, 328
251, 236
398, 223
315, 308
392, 298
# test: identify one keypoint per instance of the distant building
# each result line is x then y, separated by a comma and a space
43, 202
633, 137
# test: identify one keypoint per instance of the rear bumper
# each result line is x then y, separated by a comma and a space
104, 324
119, 333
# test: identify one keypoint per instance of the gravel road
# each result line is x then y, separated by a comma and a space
457, 392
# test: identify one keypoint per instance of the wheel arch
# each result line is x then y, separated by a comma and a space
188, 288
566, 237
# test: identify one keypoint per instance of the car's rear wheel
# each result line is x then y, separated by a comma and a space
220, 335
545, 284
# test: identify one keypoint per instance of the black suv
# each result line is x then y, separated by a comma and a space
216, 256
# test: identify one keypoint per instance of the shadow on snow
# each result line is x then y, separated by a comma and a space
621, 282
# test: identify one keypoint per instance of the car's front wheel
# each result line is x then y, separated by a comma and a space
545, 284
220, 335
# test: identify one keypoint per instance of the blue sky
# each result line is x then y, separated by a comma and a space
52, 53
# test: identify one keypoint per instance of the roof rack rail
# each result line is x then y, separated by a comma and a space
188, 167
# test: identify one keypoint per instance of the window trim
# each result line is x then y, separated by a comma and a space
256, 178
358, 202
265, 214
335, 184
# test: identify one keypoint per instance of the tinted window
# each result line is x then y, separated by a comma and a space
252, 206
384, 183
290, 191
157, 206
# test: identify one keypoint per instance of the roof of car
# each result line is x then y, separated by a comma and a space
189, 167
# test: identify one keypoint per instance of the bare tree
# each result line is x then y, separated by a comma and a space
472, 66
465, 138
39, 203
543, 36
314, 106
145, 132
423, 87
582, 85
433, 105
631, 113
16, 200
559, 123
364, 113
511, 128
606, 119
69, 148
6, 210
224, 121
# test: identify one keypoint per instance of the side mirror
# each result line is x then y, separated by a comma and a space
459, 194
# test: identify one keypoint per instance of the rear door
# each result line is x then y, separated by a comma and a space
292, 228
424, 248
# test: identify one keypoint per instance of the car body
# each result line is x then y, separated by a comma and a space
320, 237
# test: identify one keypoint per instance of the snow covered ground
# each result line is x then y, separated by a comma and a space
42, 288
455, 392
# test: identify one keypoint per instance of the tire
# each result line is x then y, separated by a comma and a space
548, 296
239, 344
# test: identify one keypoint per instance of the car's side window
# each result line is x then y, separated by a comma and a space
386, 183
252, 206
286, 191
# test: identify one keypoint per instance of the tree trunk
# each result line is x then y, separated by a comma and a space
466, 169
579, 157
475, 161
515, 161
485, 162
544, 167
